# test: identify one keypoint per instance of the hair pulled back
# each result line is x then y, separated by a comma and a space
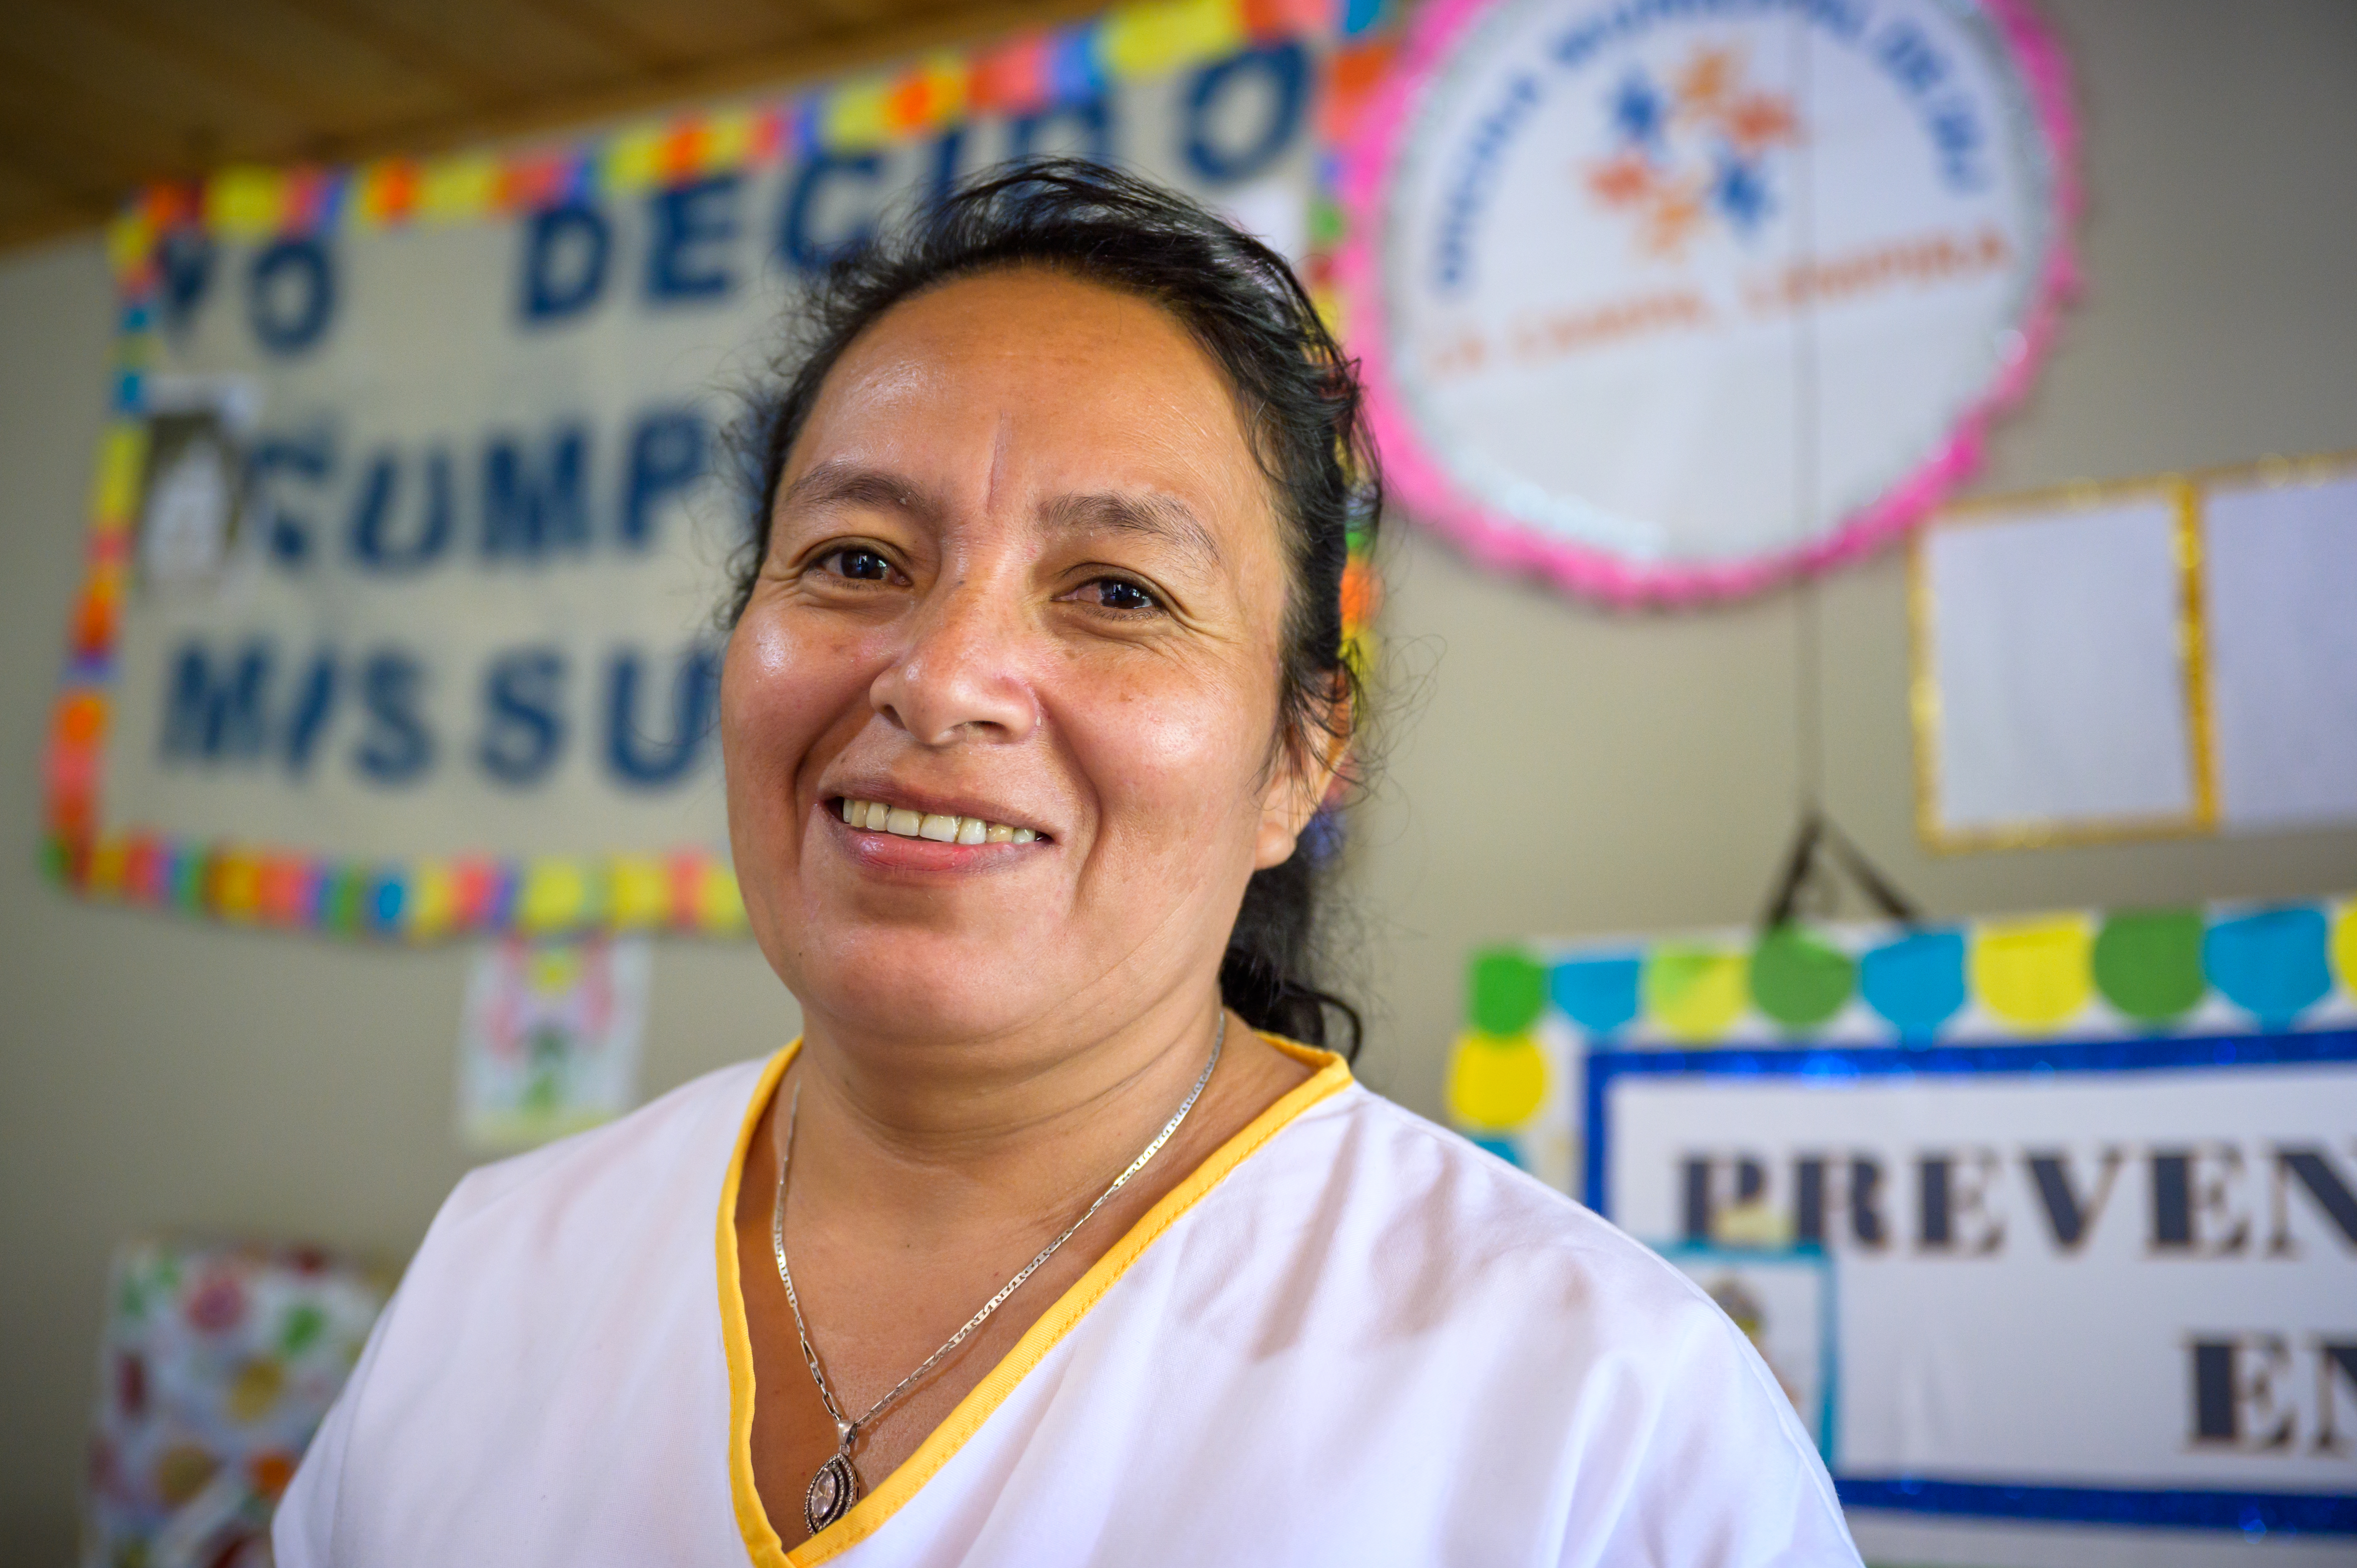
1301, 403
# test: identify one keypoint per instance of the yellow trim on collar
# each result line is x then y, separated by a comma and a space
737, 1337
869, 1514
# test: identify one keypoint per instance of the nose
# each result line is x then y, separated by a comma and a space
958, 677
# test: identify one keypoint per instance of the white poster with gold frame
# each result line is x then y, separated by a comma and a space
2067, 683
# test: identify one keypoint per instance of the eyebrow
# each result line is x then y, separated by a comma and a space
1166, 518
838, 484
1159, 516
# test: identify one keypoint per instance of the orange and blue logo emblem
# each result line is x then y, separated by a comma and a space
1696, 152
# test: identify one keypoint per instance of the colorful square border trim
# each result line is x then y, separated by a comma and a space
686, 890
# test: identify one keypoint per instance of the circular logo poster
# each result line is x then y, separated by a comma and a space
1666, 300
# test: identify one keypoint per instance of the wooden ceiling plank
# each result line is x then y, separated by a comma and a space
707, 29
858, 14
25, 175
109, 138
33, 224
821, 57
170, 33
641, 49
48, 118
450, 68
334, 83
71, 43
130, 77
24, 201
518, 52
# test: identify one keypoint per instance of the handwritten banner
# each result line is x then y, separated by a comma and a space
412, 518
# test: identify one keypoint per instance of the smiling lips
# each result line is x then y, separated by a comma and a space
877, 817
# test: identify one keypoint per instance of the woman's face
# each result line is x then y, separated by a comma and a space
1024, 573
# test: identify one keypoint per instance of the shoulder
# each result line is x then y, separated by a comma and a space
1427, 1196
1513, 1257
558, 1298
617, 1219
639, 1168
1544, 1321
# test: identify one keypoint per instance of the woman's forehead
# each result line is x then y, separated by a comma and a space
1032, 371
1031, 313
1038, 388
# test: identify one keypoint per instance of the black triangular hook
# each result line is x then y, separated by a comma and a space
1815, 838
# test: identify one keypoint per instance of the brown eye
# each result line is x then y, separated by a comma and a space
1120, 594
859, 564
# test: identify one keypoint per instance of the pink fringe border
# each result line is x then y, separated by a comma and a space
1507, 546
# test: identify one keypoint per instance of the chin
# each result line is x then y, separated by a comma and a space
893, 982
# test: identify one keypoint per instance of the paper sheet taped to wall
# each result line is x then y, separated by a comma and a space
2282, 597
2058, 639
2171, 656
548, 1044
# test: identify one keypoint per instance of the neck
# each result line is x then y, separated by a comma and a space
939, 1139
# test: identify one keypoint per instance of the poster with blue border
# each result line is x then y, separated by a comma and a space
2085, 1186
1782, 1299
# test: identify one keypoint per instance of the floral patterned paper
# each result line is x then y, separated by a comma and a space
217, 1364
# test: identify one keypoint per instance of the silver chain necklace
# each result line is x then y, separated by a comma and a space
836, 1486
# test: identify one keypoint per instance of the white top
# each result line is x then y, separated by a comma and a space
1347, 1337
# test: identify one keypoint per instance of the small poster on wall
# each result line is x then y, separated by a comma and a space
549, 1041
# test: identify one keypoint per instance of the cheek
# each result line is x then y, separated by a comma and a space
781, 690
1178, 753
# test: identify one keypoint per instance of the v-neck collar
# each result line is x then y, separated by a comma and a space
869, 1514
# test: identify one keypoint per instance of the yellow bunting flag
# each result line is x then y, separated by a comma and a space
2034, 973
1143, 40
639, 893
122, 455
729, 142
634, 160
1694, 994
857, 114
110, 859
556, 897
1496, 1083
129, 240
245, 203
455, 189
237, 885
719, 907
433, 903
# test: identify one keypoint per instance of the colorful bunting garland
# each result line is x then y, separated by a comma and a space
2228, 968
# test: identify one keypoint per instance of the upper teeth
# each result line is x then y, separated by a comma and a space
908, 824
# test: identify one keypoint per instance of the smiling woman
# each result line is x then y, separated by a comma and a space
1058, 1238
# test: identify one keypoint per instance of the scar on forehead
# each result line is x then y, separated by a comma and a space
998, 445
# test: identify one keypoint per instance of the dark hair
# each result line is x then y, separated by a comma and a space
1301, 401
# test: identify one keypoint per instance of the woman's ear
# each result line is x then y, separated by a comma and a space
1300, 786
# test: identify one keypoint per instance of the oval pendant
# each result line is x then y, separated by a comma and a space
831, 1492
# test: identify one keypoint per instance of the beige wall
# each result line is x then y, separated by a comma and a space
1572, 772
1564, 771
